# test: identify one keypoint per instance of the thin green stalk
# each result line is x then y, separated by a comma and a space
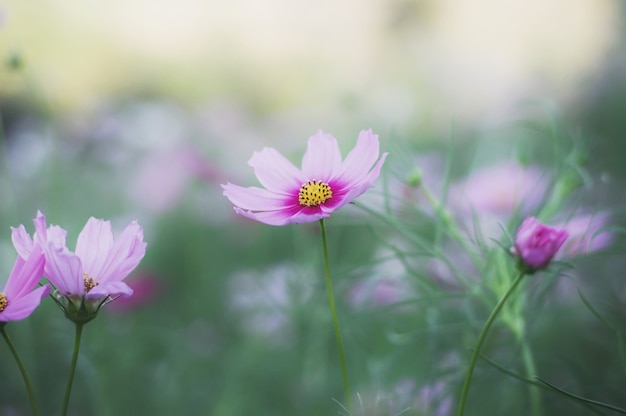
481, 339
531, 371
70, 380
448, 220
333, 312
18, 360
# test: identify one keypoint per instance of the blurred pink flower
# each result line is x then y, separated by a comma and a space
98, 266
163, 177
433, 399
146, 289
586, 234
536, 243
499, 190
323, 185
18, 299
379, 292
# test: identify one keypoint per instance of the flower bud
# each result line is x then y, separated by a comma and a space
536, 244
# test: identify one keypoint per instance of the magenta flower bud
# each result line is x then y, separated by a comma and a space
536, 244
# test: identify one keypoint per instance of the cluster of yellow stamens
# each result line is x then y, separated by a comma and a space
314, 193
89, 282
3, 301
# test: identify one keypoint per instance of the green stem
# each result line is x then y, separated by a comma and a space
531, 371
70, 380
481, 339
18, 360
448, 220
333, 312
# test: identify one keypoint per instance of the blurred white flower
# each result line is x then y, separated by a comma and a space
263, 298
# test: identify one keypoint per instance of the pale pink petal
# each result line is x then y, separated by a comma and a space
64, 270
126, 253
305, 217
275, 172
25, 274
360, 159
375, 172
93, 246
322, 158
113, 289
21, 307
21, 241
345, 196
281, 217
41, 234
56, 236
255, 199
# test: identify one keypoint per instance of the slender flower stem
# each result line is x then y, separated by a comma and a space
333, 312
29, 387
531, 372
68, 389
481, 339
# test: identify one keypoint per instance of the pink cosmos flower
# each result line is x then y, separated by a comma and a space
98, 266
18, 299
536, 243
323, 185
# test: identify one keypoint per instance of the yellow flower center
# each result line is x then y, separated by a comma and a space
3, 301
89, 282
314, 193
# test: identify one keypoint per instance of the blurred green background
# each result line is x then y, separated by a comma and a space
139, 109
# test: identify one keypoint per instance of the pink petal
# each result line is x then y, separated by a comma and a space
21, 307
21, 241
345, 196
305, 217
275, 172
112, 289
255, 199
64, 270
41, 234
126, 253
25, 274
375, 172
322, 158
282, 217
360, 159
56, 236
93, 246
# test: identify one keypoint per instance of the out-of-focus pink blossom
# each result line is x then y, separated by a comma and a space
146, 289
164, 176
586, 234
323, 185
536, 243
499, 190
19, 297
378, 292
433, 399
